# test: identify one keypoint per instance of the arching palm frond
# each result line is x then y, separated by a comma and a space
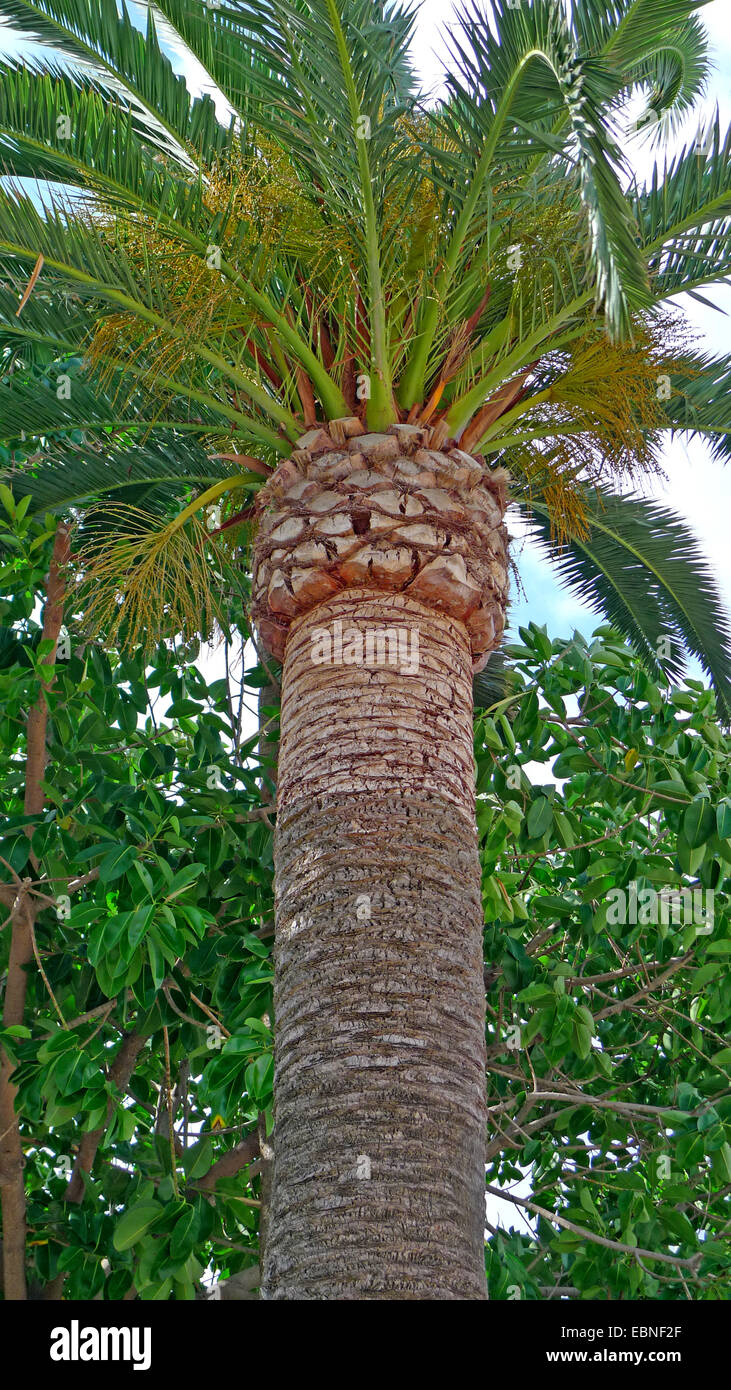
700, 401
642, 567
684, 216
658, 45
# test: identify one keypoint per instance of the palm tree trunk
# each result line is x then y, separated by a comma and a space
378, 1189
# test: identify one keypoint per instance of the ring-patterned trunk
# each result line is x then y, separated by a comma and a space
378, 1188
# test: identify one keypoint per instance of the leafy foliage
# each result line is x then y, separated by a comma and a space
151, 871
604, 809
154, 859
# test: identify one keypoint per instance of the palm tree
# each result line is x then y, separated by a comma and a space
358, 322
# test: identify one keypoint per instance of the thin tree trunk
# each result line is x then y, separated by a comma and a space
12, 1187
120, 1073
378, 1188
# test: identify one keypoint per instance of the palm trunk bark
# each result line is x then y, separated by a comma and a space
378, 1186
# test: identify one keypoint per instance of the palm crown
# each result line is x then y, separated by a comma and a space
203, 281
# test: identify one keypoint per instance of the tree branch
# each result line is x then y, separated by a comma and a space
12, 1187
554, 1216
654, 984
120, 1073
231, 1162
580, 1098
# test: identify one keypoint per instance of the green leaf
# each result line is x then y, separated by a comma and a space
117, 862
157, 962
642, 566
183, 1239
721, 1163
133, 1224
139, 924
699, 823
184, 878
540, 816
723, 819
258, 1077
701, 977
690, 859
678, 1224
197, 1158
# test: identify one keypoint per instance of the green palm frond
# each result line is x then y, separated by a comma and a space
361, 230
700, 401
254, 52
121, 60
674, 75
150, 577
349, 140
641, 566
64, 126
48, 325
629, 28
53, 403
94, 261
35, 385
146, 580
506, 92
332, 99
219, 38
71, 475
684, 216
659, 45
56, 402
